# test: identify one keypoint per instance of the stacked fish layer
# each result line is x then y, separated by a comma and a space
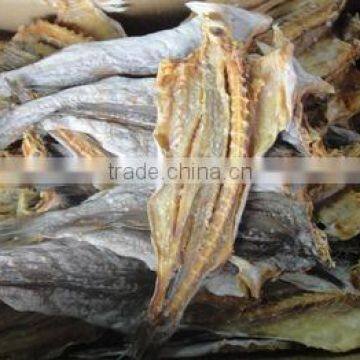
228, 267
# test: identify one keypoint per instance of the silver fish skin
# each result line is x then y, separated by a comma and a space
76, 279
131, 97
139, 56
121, 206
122, 140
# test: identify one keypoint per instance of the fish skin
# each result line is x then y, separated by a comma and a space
133, 95
84, 63
76, 279
136, 141
127, 204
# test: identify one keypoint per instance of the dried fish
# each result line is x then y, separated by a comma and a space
84, 63
33, 145
340, 213
330, 57
307, 318
79, 144
352, 30
176, 239
127, 204
17, 201
105, 290
193, 225
136, 139
296, 17
36, 41
132, 96
276, 236
85, 16
25, 332
343, 106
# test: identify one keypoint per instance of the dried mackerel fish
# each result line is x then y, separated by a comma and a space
84, 63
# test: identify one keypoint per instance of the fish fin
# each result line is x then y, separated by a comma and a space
254, 276
243, 24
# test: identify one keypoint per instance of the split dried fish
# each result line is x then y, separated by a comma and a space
176, 239
86, 16
193, 225
297, 17
123, 56
330, 57
36, 41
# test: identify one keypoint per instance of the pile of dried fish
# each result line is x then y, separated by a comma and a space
230, 267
